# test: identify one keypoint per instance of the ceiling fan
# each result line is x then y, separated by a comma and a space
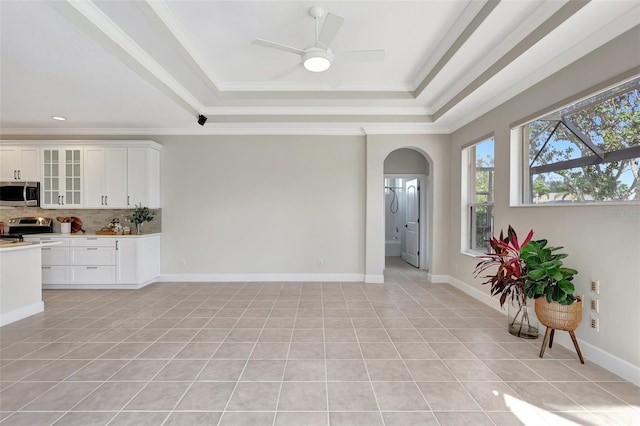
319, 56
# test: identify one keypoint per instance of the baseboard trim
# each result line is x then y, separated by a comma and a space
21, 313
597, 355
374, 279
438, 278
261, 277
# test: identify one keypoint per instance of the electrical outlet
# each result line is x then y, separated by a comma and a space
595, 324
320, 263
595, 286
595, 305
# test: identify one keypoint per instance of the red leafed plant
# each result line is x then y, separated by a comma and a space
511, 275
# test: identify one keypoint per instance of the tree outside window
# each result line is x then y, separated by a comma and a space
589, 151
481, 184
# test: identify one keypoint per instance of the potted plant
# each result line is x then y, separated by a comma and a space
139, 216
549, 282
509, 280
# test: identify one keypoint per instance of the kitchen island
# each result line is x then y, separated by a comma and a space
20, 280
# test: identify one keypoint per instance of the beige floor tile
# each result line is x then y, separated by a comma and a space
463, 419
198, 350
32, 419
388, 370
178, 418
180, 370
206, 396
349, 350
303, 396
161, 351
133, 418
111, 396
231, 418
307, 418
448, 396
355, 419
254, 396
399, 396
351, 396
263, 370
62, 397
409, 419
305, 370
307, 350
21, 393
86, 418
222, 370
158, 396
470, 370
429, 371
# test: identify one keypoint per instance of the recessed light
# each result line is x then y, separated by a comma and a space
57, 117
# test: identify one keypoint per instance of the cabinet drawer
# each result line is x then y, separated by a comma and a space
55, 275
64, 242
55, 256
93, 256
92, 242
93, 275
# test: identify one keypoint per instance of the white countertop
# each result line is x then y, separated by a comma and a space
90, 235
25, 245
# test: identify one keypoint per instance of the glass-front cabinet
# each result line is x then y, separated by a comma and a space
62, 177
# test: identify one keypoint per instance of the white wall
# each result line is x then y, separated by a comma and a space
263, 205
603, 242
406, 161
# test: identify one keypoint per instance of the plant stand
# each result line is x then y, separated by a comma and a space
559, 317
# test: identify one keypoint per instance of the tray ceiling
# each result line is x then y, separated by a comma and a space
151, 67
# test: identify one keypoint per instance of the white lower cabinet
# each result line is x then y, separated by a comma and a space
100, 262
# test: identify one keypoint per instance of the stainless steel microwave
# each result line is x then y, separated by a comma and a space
20, 194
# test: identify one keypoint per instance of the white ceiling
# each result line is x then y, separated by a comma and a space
151, 67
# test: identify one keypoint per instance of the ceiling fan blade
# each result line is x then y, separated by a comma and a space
279, 46
287, 71
332, 24
363, 55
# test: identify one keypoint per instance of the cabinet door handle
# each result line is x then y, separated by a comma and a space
128, 200
19, 175
106, 200
102, 200
58, 200
117, 244
92, 267
46, 267
63, 200
92, 248
15, 174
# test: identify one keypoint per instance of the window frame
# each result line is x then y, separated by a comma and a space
470, 192
598, 157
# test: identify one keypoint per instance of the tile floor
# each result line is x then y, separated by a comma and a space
406, 352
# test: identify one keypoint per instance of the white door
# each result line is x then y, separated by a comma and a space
412, 234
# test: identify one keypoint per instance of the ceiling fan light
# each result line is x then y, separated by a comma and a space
317, 61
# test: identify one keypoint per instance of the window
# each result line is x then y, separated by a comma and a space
480, 198
588, 151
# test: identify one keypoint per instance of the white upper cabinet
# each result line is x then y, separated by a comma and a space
62, 177
143, 172
19, 163
105, 180
86, 174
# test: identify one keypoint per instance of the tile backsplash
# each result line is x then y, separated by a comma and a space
92, 219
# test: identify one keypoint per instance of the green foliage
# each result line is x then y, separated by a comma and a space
140, 215
547, 276
612, 125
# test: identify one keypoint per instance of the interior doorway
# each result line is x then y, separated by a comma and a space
403, 218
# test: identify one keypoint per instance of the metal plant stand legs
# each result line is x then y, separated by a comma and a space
548, 337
